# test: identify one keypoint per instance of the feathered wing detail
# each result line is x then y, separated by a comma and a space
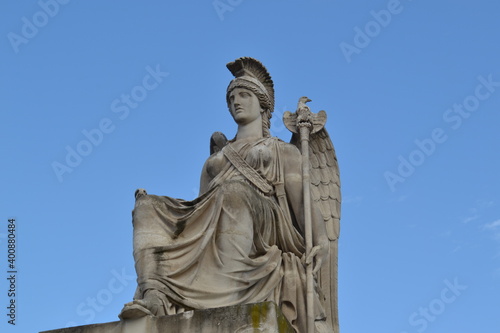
325, 191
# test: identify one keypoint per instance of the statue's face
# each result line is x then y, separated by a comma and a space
244, 106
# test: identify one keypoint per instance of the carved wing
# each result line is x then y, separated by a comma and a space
217, 141
325, 181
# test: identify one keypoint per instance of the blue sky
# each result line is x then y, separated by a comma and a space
101, 98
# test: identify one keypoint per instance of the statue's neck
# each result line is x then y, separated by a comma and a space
251, 130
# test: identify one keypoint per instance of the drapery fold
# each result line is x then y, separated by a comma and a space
232, 245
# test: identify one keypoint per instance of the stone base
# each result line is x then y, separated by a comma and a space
251, 318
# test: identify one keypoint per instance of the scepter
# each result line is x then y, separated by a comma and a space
305, 123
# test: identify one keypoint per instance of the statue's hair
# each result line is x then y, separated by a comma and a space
252, 75
266, 123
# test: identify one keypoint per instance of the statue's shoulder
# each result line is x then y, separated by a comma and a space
289, 150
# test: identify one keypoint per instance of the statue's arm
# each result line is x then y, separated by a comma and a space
204, 179
294, 191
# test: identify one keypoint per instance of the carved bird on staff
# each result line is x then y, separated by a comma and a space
303, 111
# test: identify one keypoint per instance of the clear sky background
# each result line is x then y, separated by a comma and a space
412, 92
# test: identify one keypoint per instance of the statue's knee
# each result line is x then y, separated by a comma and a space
145, 200
142, 209
139, 193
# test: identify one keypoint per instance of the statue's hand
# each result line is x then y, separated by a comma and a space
319, 254
139, 193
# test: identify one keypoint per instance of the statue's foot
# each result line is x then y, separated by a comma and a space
135, 309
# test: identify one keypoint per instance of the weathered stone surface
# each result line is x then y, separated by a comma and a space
250, 318
264, 206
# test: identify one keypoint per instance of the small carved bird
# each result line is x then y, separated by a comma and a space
303, 111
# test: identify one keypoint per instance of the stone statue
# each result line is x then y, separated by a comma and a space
242, 240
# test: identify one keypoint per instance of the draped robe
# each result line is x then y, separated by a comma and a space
232, 245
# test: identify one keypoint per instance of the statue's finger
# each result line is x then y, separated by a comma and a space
318, 266
311, 256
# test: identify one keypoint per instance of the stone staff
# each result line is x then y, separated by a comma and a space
304, 123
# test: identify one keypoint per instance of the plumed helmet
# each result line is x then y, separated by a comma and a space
249, 73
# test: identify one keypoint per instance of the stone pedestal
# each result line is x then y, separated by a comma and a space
250, 318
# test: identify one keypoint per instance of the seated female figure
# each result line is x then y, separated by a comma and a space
241, 241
